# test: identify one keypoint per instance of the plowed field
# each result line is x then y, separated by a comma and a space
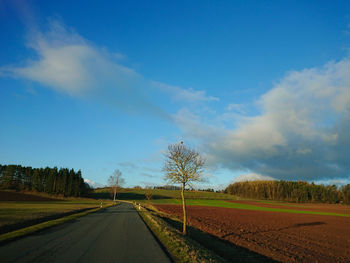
286, 237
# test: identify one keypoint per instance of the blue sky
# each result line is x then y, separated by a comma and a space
261, 88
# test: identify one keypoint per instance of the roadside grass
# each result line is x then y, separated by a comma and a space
180, 247
225, 204
14, 212
38, 227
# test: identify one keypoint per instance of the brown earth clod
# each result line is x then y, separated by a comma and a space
285, 237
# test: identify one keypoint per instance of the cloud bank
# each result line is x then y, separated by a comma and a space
93, 184
252, 177
185, 95
68, 63
301, 133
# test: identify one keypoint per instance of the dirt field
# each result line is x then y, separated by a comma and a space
331, 208
285, 237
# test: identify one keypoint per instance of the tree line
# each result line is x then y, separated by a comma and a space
290, 191
63, 181
167, 187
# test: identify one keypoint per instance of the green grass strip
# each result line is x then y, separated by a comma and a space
225, 204
281, 203
31, 229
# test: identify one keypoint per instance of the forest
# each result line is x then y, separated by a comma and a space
63, 181
291, 191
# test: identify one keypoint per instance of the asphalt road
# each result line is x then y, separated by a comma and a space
116, 234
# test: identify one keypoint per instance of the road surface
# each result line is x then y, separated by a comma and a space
116, 234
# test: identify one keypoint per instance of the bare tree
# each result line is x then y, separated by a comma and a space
115, 181
183, 165
149, 192
149, 195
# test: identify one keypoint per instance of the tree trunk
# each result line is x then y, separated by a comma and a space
115, 192
184, 209
54, 185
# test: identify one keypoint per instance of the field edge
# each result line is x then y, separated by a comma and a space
180, 248
22, 232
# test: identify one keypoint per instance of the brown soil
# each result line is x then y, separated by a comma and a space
17, 196
284, 237
330, 208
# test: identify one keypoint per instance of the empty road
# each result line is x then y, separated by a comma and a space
116, 234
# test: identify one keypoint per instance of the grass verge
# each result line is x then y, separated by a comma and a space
7, 237
181, 248
222, 249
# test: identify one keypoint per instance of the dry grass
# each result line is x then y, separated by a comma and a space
17, 212
181, 248
38, 227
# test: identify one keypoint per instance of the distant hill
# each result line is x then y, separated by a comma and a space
140, 194
18, 196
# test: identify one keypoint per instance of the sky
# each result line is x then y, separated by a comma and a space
260, 88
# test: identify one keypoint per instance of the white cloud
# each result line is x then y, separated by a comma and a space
236, 107
149, 175
93, 184
301, 133
194, 128
252, 177
65, 61
184, 95
68, 63
128, 165
146, 184
335, 181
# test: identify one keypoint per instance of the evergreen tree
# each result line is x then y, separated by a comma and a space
8, 177
49, 180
